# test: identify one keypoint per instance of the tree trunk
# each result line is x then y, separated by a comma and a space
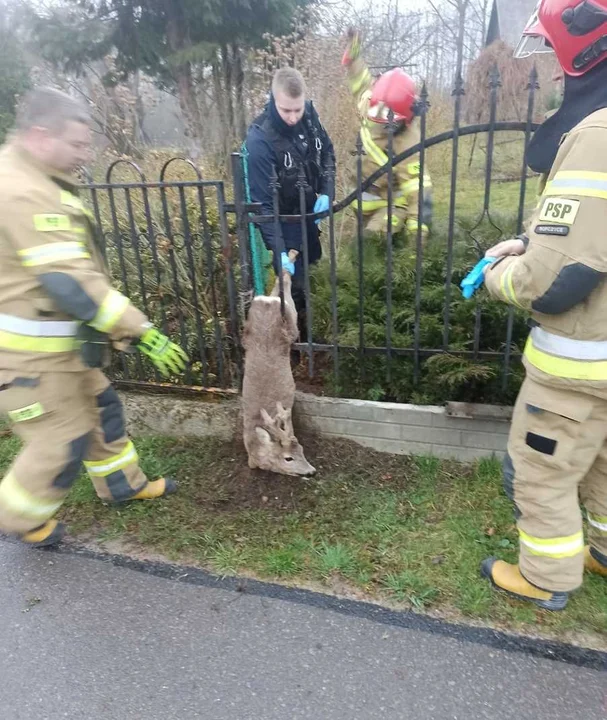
228, 87
241, 112
220, 101
141, 137
177, 35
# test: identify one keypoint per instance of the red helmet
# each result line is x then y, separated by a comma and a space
394, 90
575, 29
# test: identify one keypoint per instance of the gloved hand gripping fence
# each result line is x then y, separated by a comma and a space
168, 357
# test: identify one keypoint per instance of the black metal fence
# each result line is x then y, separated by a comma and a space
181, 251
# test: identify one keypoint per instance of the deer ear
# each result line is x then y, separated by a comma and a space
263, 436
266, 419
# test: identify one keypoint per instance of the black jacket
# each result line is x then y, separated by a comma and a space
270, 143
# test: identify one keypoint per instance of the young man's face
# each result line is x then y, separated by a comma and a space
65, 150
290, 109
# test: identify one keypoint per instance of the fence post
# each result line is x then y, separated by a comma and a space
422, 110
302, 184
279, 243
389, 248
332, 251
458, 92
241, 230
532, 86
360, 237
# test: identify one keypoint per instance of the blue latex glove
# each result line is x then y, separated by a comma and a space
287, 264
475, 278
321, 205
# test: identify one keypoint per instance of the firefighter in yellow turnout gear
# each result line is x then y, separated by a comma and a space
557, 451
394, 90
53, 286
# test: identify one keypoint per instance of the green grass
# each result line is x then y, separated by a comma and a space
405, 531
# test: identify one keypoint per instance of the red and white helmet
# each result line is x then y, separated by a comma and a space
576, 30
396, 91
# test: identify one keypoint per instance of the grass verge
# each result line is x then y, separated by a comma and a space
409, 532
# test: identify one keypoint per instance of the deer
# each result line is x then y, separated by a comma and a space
268, 390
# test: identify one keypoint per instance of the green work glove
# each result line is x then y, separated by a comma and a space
166, 356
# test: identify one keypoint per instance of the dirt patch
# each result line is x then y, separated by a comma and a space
230, 485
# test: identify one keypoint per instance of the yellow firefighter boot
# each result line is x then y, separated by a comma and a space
46, 535
156, 489
595, 562
508, 578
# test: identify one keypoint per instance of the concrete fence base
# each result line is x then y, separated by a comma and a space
465, 435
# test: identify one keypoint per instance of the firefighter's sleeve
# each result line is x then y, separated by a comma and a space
360, 81
48, 245
566, 257
542, 280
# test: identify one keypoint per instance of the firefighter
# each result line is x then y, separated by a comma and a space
55, 295
396, 91
557, 450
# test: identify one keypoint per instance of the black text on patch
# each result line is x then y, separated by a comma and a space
559, 210
552, 229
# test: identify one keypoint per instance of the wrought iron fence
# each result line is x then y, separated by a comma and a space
167, 244
184, 253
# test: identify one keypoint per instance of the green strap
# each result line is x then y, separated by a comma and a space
260, 255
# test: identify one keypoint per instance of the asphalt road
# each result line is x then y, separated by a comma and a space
81, 638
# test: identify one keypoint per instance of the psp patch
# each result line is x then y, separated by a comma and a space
559, 210
561, 230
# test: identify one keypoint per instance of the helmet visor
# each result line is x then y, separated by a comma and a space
531, 44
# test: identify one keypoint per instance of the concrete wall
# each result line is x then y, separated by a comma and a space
404, 429
388, 427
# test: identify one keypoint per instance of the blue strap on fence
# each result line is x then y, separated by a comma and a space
259, 252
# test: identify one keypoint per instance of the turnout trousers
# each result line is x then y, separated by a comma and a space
64, 419
557, 458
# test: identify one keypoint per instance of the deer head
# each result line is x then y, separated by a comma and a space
275, 446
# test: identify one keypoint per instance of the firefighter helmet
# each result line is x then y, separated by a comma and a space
394, 90
576, 30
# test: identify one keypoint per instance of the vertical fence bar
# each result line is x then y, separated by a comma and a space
241, 230
137, 253
279, 244
171, 253
360, 248
333, 258
494, 84
301, 186
119, 250
210, 260
389, 248
136, 249
423, 108
231, 282
458, 92
532, 86
151, 234
97, 212
187, 236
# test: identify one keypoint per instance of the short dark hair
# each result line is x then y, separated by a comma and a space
49, 108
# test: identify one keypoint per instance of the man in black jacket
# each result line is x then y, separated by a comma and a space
287, 136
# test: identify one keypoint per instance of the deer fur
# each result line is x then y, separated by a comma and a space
268, 389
